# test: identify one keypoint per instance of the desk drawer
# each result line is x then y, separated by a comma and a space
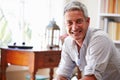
51, 60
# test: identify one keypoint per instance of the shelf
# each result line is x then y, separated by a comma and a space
115, 17
116, 42
109, 15
109, 19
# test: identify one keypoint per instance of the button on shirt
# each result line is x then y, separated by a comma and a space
98, 55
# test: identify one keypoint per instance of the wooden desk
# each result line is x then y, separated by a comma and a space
31, 58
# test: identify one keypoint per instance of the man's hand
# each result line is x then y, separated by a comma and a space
89, 77
59, 77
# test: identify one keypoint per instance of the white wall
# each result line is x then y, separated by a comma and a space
92, 6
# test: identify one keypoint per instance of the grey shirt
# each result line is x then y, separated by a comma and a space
98, 56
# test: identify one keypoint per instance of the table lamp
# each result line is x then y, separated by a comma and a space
52, 35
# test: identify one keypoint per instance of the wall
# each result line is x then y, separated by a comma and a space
92, 6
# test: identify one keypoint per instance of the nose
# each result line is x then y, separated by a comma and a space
74, 26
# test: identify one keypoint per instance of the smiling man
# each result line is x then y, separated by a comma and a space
90, 49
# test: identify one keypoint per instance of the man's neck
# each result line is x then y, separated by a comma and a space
79, 42
79, 45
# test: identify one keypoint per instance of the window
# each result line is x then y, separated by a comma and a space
27, 19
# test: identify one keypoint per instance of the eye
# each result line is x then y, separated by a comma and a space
79, 21
69, 23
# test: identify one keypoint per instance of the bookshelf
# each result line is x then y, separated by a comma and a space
109, 19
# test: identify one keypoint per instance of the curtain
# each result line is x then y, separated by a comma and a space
27, 19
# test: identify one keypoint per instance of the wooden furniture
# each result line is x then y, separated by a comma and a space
32, 58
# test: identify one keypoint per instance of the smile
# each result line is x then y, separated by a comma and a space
75, 32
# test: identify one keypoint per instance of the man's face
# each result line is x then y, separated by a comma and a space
76, 24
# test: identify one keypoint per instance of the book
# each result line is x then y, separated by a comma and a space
112, 29
118, 32
110, 6
104, 6
106, 24
118, 6
114, 6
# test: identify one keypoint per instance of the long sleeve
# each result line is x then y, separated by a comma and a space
98, 56
66, 65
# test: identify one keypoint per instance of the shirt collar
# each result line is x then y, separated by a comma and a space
87, 38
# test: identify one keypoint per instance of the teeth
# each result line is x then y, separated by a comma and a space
73, 32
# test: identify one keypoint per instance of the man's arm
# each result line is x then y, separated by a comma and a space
89, 77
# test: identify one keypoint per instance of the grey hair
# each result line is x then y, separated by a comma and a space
76, 5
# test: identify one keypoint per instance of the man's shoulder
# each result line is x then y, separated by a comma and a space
69, 40
96, 32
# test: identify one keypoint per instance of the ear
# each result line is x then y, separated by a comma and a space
88, 21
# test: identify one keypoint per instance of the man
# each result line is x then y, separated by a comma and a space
89, 49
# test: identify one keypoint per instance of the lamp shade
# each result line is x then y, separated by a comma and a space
52, 25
